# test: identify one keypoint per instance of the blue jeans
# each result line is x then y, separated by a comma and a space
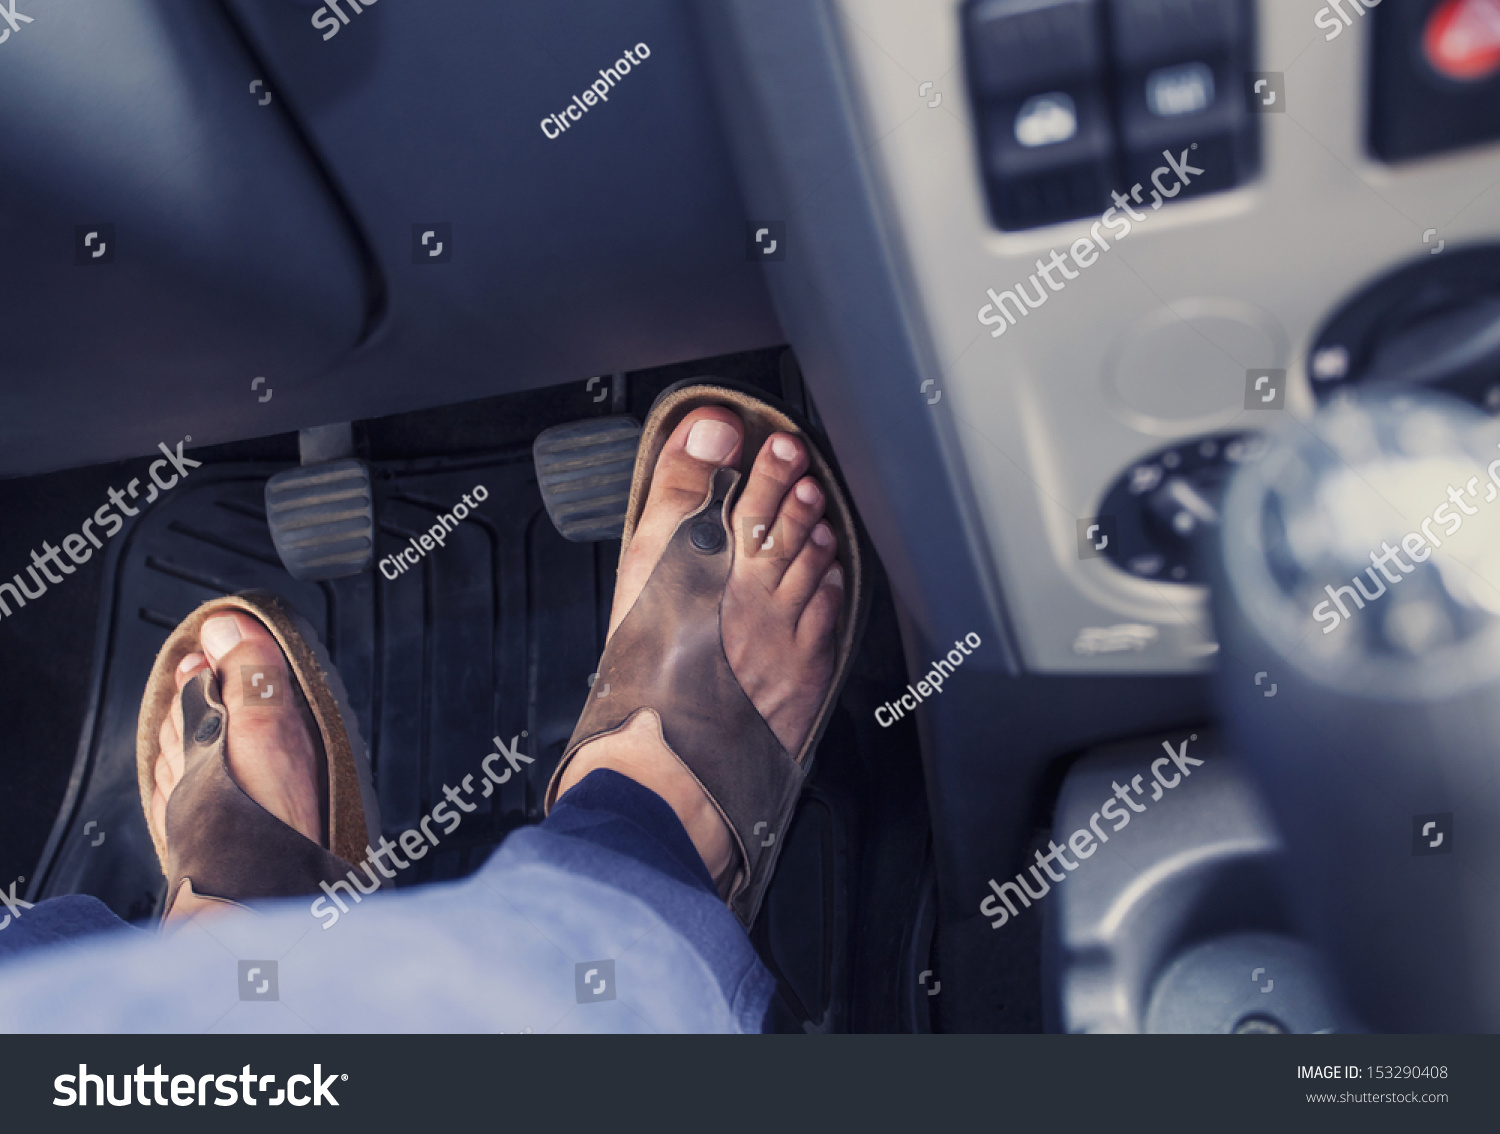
610, 874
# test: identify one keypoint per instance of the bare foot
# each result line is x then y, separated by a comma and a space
780, 607
271, 753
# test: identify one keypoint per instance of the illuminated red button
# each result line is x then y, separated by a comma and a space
1462, 39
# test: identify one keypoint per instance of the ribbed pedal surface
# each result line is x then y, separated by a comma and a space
322, 519
584, 470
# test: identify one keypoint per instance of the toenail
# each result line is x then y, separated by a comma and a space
188, 662
711, 440
219, 635
808, 492
822, 535
784, 447
835, 576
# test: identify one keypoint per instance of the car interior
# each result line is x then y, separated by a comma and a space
286, 279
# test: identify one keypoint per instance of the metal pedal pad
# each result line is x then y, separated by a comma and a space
584, 470
322, 519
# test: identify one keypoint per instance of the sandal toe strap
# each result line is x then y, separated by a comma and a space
228, 846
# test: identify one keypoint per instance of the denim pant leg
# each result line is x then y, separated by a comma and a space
55, 921
604, 808
607, 831
612, 811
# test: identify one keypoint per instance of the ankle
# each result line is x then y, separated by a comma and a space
639, 753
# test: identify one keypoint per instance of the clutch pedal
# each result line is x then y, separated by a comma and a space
322, 515
584, 470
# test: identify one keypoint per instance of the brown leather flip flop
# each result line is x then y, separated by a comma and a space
223, 846
667, 655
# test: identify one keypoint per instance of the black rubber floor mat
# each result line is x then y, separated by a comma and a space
489, 638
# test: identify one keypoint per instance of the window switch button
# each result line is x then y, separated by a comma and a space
1024, 47
1049, 157
1150, 33
1180, 69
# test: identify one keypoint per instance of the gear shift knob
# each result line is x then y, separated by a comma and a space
1356, 595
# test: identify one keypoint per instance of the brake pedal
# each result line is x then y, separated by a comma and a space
322, 515
584, 470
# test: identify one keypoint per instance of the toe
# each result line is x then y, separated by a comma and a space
247, 661
781, 461
806, 571
815, 627
271, 752
171, 747
707, 439
188, 666
159, 810
169, 762
166, 775
801, 508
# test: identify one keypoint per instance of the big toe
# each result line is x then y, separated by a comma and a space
703, 442
271, 753
706, 440
248, 662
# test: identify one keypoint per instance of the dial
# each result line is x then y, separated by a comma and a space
1166, 502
